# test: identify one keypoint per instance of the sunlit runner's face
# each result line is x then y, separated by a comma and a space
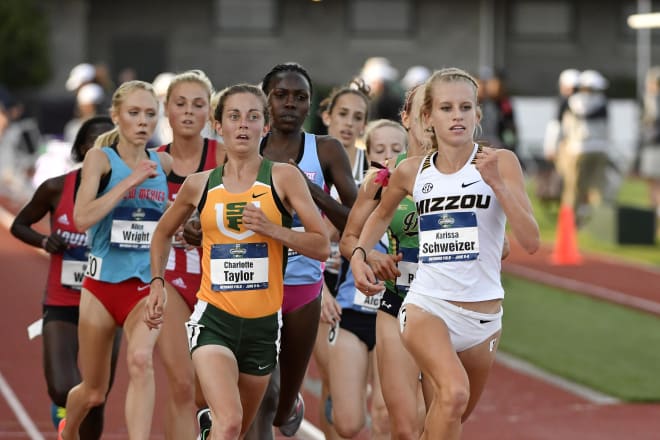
188, 108
347, 120
289, 100
454, 112
243, 123
386, 144
137, 116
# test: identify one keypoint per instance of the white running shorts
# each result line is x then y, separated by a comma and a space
467, 328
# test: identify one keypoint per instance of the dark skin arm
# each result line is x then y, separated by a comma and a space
44, 201
336, 171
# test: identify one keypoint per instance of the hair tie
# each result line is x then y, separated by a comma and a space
157, 278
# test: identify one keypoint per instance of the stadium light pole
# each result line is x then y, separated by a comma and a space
486, 35
643, 22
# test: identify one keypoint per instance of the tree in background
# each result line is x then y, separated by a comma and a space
24, 58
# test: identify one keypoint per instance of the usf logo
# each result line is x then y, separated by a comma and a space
229, 218
234, 215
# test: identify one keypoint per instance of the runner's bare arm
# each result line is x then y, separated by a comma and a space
290, 185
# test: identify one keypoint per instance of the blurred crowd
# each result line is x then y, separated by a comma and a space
577, 169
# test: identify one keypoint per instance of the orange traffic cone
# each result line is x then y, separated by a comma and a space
566, 249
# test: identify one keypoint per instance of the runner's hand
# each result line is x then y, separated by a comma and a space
155, 305
144, 169
384, 265
192, 231
255, 220
365, 280
55, 244
330, 309
486, 162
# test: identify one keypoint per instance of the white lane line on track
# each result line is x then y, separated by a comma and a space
6, 219
585, 288
22, 415
528, 369
308, 431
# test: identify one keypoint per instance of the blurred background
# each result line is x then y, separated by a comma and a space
529, 42
47, 49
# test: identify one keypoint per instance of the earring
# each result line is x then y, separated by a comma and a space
429, 130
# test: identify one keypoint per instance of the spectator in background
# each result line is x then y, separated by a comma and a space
386, 93
649, 167
104, 78
127, 74
19, 143
498, 126
163, 133
55, 160
569, 80
549, 180
79, 76
586, 143
415, 76
89, 99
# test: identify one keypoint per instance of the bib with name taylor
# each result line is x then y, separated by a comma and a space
242, 271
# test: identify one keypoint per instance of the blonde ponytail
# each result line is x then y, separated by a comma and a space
108, 138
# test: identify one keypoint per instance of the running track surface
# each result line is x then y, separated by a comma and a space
514, 405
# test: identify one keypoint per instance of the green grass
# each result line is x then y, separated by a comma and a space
606, 347
601, 345
634, 192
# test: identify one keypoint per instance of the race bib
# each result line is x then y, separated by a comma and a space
367, 304
293, 253
236, 267
132, 228
448, 237
74, 264
408, 267
94, 265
